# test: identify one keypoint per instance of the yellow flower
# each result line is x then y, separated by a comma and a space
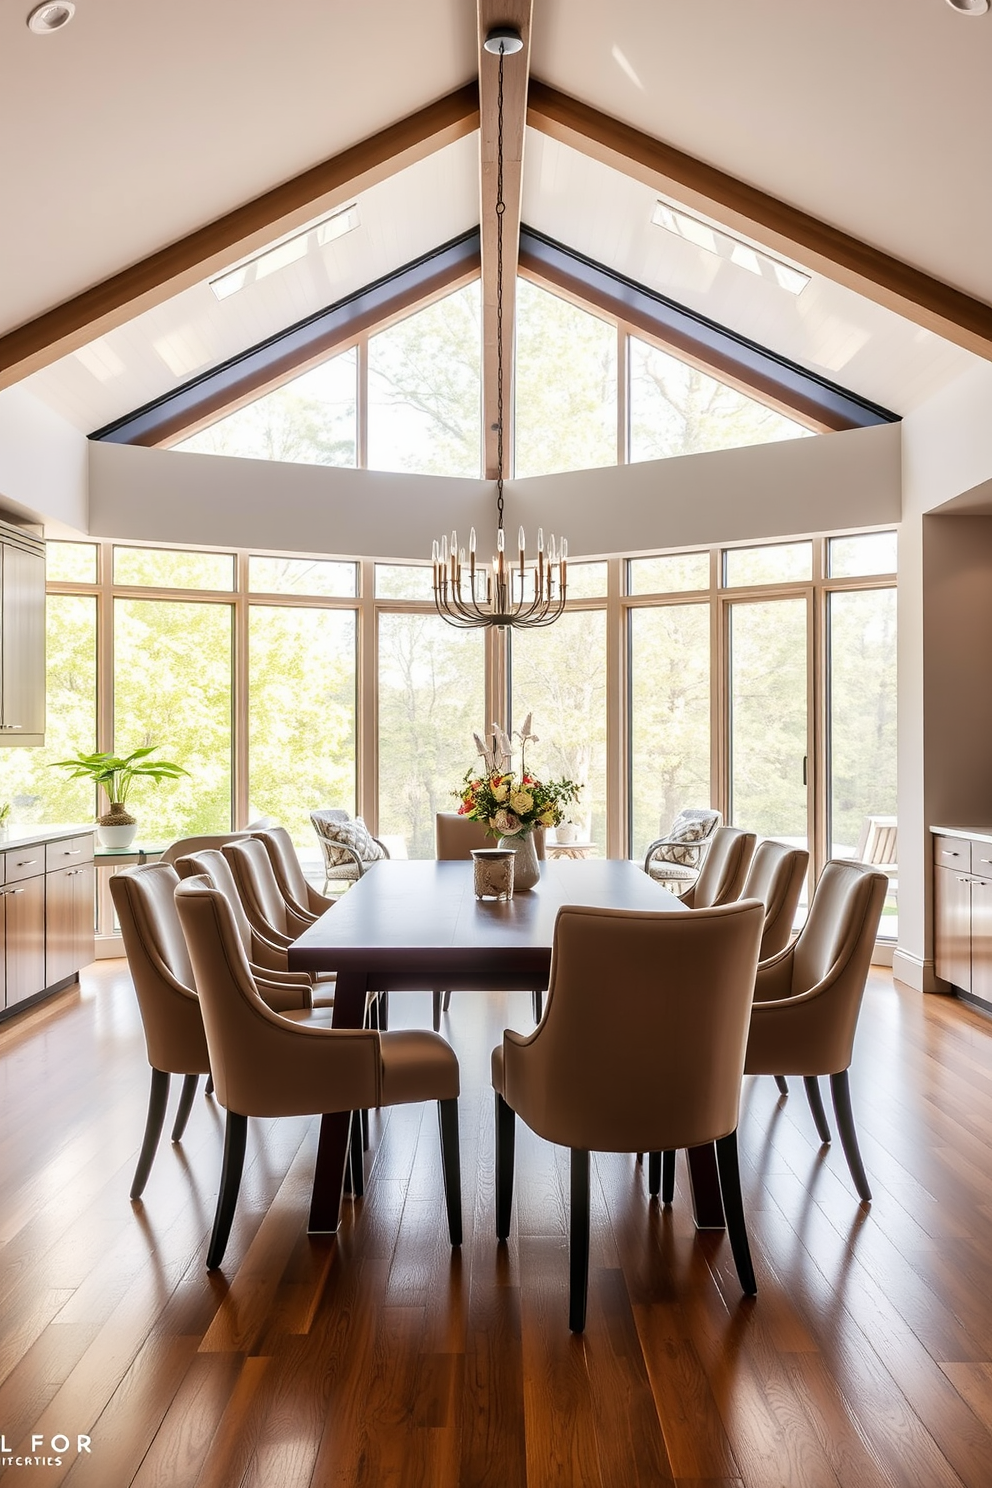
499, 792
521, 801
548, 819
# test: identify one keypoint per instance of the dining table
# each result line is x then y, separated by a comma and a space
417, 925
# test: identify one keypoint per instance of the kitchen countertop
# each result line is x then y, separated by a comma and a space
18, 836
973, 834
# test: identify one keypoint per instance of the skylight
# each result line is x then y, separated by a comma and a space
318, 235
724, 245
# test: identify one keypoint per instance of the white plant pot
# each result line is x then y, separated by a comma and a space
566, 832
119, 837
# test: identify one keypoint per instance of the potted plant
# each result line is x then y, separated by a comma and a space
117, 774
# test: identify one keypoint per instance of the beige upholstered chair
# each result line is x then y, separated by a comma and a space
348, 846
776, 877
265, 1065
661, 1070
170, 1011
298, 893
261, 950
675, 860
807, 998
269, 913
722, 875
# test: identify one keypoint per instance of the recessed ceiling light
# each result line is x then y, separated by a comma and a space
969, 7
725, 245
51, 16
280, 255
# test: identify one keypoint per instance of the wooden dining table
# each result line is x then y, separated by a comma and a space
409, 925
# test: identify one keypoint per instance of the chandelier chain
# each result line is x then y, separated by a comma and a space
500, 212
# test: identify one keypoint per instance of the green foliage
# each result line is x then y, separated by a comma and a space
566, 386
117, 773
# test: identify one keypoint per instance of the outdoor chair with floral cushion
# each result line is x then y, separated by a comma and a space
675, 860
348, 847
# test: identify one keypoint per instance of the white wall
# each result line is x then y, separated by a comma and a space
834, 481
43, 464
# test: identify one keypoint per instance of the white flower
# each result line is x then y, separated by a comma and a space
506, 823
522, 801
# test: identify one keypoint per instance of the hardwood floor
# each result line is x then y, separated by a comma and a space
378, 1357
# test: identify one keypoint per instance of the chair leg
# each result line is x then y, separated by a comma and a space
538, 1000
382, 1004
783, 1084
235, 1138
840, 1089
447, 1115
208, 1089
578, 1243
815, 1099
158, 1097
446, 1003
436, 1011
365, 1131
356, 1158
668, 1177
654, 1173
506, 1130
184, 1107
733, 1208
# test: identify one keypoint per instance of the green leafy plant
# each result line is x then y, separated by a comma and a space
4, 813
117, 775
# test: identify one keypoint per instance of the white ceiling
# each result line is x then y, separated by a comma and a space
141, 122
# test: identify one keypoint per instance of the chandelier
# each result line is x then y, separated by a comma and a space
506, 592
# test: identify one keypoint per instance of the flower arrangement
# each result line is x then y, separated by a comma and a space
511, 803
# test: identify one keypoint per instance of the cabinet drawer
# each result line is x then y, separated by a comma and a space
72, 852
24, 862
954, 852
981, 859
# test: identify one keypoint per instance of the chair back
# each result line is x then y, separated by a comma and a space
160, 968
262, 1064
347, 844
257, 884
456, 836
721, 877
642, 1042
285, 863
183, 846
776, 877
211, 864
878, 845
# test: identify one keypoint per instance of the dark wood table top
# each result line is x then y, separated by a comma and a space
404, 919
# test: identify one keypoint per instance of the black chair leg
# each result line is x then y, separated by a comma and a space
208, 1089
365, 1131
783, 1084
578, 1243
447, 1115
668, 1177
506, 1131
235, 1138
356, 1157
538, 1000
840, 1089
815, 1099
185, 1106
654, 1173
733, 1208
382, 1011
158, 1097
436, 1010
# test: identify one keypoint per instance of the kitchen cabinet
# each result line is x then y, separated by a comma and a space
46, 912
22, 637
963, 910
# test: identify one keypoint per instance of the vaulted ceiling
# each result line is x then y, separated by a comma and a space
139, 124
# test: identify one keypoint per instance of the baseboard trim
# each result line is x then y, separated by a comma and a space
883, 953
917, 972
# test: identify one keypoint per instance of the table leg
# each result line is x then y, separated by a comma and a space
335, 1127
704, 1181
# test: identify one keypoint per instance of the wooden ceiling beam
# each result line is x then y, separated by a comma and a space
237, 234
516, 68
814, 244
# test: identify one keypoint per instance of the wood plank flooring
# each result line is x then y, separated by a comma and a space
380, 1358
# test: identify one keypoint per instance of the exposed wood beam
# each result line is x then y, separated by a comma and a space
887, 281
515, 13
59, 331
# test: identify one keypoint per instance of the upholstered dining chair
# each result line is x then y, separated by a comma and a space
265, 1065
293, 885
807, 999
722, 875
170, 1011
776, 877
183, 846
683, 983
677, 858
347, 845
268, 911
